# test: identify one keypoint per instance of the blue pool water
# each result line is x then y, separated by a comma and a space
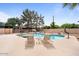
56, 37
38, 35
51, 37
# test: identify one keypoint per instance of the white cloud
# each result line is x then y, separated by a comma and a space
3, 17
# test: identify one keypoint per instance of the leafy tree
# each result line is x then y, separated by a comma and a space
12, 22
46, 27
75, 25
67, 25
55, 26
2, 24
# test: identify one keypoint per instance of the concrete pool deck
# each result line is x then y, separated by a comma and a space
12, 45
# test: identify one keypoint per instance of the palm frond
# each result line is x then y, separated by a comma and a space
65, 4
73, 5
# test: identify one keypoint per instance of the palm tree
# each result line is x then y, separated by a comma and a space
31, 18
40, 22
53, 23
27, 17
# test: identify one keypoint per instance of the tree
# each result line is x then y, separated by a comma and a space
46, 27
67, 25
2, 24
12, 22
52, 25
55, 26
39, 22
32, 19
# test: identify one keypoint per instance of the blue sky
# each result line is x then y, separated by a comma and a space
62, 15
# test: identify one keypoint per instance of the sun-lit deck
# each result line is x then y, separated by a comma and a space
11, 44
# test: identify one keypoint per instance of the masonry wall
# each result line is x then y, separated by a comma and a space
6, 30
76, 31
10, 30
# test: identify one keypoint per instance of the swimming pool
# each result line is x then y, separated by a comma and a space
40, 35
53, 37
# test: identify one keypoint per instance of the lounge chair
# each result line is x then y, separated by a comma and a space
30, 42
46, 43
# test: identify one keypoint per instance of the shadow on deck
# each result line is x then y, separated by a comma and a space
30, 43
46, 43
